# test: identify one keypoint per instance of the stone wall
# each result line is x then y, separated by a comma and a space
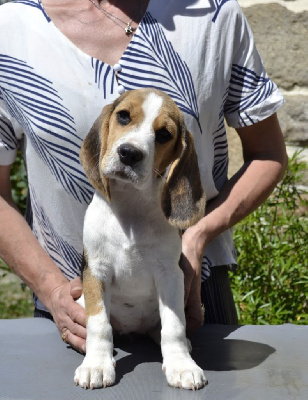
280, 30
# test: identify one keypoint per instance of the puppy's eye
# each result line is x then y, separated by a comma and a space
162, 135
123, 117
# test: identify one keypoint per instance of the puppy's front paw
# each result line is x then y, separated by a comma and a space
184, 374
91, 376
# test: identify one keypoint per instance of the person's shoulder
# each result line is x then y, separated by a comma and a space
227, 9
227, 5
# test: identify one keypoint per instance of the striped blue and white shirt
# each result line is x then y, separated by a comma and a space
201, 53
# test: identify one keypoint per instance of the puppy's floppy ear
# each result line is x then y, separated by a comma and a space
183, 199
93, 149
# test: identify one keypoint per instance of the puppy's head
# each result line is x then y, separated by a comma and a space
141, 137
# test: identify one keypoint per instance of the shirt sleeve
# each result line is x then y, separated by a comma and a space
252, 96
8, 141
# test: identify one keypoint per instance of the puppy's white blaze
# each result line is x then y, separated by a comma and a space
151, 108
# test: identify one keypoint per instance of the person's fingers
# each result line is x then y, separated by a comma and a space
76, 328
192, 324
76, 288
189, 274
194, 312
69, 316
73, 333
74, 341
192, 283
77, 314
65, 306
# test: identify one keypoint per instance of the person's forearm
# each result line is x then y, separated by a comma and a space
240, 196
21, 251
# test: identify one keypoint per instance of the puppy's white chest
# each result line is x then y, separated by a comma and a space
130, 254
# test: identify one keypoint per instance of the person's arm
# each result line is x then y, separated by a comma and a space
265, 161
20, 249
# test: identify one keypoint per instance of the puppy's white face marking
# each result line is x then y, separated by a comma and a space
142, 138
151, 108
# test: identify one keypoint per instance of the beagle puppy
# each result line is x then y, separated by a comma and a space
141, 160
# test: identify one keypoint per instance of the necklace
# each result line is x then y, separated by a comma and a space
129, 29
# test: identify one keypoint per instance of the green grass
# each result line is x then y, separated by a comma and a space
271, 285
15, 301
15, 296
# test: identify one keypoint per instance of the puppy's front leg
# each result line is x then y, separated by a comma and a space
97, 369
180, 369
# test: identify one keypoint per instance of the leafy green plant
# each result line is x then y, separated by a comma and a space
19, 183
271, 285
15, 301
15, 297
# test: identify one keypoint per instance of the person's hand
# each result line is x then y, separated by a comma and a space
191, 263
68, 315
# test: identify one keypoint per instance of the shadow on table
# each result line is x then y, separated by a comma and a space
214, 352
211, 350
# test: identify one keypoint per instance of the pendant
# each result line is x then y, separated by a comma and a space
129, 30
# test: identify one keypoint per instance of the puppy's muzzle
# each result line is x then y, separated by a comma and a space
129, 155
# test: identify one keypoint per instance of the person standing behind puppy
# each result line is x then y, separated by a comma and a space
75, 57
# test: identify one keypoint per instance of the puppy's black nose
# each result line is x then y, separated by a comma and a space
129, 155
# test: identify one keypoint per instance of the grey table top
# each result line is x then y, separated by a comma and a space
241, 362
